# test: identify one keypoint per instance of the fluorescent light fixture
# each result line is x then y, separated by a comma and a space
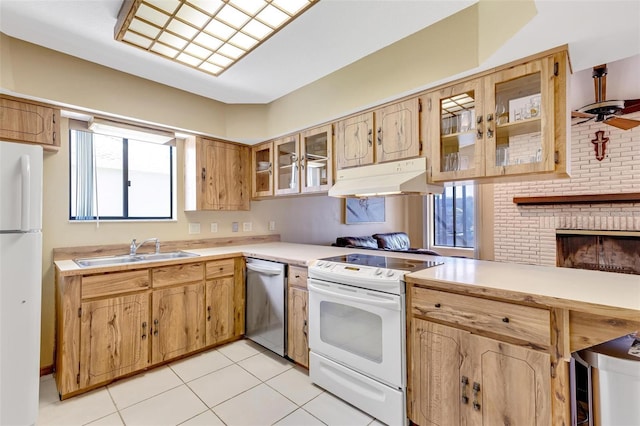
130, 131
197, 33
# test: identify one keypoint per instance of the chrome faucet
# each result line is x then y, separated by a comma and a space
134, 247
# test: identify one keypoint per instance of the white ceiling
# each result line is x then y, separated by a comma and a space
331, 35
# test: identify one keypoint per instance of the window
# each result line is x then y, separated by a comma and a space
116, 178
453, 217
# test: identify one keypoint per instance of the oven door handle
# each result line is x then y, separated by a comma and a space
389, 304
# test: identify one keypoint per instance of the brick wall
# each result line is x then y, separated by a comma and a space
528, 234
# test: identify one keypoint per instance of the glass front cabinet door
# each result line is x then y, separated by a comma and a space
520, 116
454, 127
287, 159
262, 169
316, 167
510, 122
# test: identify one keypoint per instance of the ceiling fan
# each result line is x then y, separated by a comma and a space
608, 112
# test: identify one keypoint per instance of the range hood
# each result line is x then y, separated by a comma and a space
398, 177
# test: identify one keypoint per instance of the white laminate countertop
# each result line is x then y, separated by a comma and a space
537, 284
546, 284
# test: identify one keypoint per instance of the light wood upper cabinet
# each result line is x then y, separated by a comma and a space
461, 378
295, 164
397, 128
27, 122
355, 141
262, 170
286, 153
387, 134
114, 337
217, 175
510, 122
316, 168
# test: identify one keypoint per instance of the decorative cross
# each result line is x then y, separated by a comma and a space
600, 143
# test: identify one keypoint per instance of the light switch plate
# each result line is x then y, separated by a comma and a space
246, 226
272, 225
214, 227
194, 228
234, 226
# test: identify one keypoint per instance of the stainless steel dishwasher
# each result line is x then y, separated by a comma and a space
265, 313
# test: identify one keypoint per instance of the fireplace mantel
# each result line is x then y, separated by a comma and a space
629, 197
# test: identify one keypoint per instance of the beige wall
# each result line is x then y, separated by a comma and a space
447, 48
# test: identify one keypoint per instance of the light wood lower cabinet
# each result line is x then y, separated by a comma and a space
460, 378
220, 318
114, 337
298, 316
178, 321
113, 324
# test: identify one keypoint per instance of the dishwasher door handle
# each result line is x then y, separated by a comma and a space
264, 270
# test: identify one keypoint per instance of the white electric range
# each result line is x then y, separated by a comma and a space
357, 330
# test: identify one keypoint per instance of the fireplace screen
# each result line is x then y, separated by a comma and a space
599, 252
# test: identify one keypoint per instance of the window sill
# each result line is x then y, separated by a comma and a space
454, 251
122, 220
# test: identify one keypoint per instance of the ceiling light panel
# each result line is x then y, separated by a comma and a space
208, 35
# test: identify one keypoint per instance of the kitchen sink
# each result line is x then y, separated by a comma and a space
127, 258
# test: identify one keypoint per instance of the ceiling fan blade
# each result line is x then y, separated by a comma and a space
581, 114
581, 122
622, 123
631, 105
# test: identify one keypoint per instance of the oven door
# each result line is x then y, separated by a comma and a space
358, 328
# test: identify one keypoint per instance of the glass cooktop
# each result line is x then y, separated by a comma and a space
410, 265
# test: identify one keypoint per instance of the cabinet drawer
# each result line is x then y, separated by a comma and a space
177, 274
521, 322
220, 268
297, 276
113, 283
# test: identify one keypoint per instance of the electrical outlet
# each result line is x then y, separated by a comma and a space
194, 228
214, 227
234, 226
272, 225
246, 226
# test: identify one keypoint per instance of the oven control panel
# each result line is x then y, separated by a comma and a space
371, 277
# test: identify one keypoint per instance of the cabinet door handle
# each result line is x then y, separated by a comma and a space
437, 305
479, 127
463, 390
379, 135
370, 137
305, 328
155, 328
208, 313
476, 391
144, 331
204, 173
505, 319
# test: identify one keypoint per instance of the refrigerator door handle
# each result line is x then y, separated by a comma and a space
26, 191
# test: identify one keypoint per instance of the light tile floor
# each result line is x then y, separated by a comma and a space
237, 384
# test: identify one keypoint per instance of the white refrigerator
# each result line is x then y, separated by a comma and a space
20, 281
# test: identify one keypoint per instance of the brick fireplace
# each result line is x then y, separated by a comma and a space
526, 233
599, 250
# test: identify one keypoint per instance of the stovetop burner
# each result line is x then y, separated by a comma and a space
410, 265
